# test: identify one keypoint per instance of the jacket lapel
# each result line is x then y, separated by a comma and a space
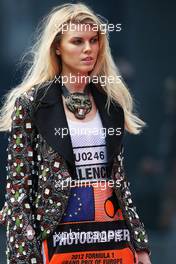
112, 121
50, 120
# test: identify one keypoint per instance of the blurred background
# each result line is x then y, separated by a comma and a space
145, 52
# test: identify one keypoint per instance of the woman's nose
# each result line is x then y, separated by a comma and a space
87, 47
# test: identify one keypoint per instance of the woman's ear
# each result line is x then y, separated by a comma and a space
57, 51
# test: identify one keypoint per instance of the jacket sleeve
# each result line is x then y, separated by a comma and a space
17, 213
138, 233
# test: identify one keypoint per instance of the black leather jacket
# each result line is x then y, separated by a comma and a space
40, 165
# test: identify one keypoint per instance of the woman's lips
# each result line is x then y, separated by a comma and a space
88, 59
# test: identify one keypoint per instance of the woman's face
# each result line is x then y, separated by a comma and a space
77, 45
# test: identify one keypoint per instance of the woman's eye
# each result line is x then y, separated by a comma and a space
77, 41
94, 40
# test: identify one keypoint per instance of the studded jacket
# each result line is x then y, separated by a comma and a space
41, 164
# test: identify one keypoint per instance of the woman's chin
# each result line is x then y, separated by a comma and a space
85, 69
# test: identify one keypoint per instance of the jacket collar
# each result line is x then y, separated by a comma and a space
50, 119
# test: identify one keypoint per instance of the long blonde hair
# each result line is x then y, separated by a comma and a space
45, 65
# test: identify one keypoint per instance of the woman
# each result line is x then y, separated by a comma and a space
68, 198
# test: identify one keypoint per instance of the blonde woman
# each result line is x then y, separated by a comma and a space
68, 198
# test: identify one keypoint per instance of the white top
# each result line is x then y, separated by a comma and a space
89, 148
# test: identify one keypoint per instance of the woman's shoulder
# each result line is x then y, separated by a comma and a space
114, 104
30, 97
117, 107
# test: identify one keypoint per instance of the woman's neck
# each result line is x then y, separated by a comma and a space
77, 83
